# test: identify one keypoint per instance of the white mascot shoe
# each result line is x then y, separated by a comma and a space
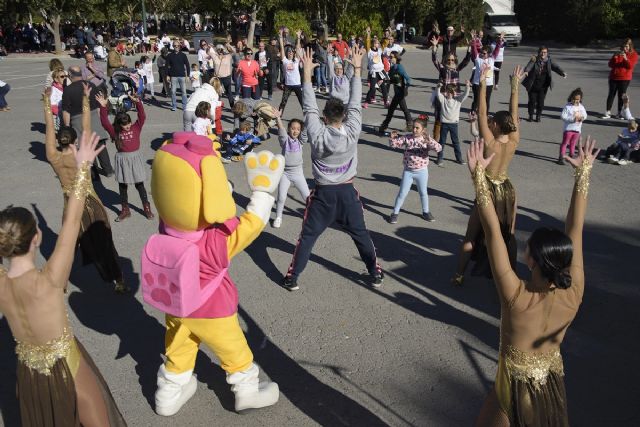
250, 392
173, 391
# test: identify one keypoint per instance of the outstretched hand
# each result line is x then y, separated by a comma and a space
475, 155
586, 151
86, 89
356, 55
307, 59
484, 73
434, 42
518, 73
101, 99
46, 95
87, 148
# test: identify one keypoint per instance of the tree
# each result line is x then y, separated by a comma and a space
469, 13
52, 12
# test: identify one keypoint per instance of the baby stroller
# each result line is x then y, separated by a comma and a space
124, 82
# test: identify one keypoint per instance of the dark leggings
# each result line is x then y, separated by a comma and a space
124, 196
285, 96
536, 100
398, 100
496, 72
619, 86
226, 83
476, 94
373, 79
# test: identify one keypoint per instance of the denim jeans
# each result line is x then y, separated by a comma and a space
321, 75
444, 129
421, 176
3, 91
175, 81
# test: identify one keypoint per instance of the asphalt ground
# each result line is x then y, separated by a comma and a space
416, 351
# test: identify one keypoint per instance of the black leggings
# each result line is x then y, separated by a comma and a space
373, 79
124, 196
398, 100
226, 83
536, 100
285, 96
619, 86
496, 72
476, 94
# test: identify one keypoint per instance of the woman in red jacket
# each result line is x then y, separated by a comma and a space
621, 64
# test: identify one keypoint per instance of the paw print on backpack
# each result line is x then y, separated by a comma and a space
162, 290
264, 170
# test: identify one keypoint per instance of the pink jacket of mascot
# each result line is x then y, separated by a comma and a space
184, 267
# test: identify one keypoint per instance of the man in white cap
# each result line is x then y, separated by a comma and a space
450, 41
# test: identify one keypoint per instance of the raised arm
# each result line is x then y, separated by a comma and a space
353, 120
312, 121
104, 116
281, 40
516, 77
496, 50
466, 60
578, 207
483, 123
50, 135
434, 49
505, 278
86, 109
59, 264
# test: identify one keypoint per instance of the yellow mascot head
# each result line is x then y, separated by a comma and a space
189, 184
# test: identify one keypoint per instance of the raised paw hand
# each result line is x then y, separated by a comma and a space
264, 170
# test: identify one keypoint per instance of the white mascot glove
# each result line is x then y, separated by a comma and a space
264, 170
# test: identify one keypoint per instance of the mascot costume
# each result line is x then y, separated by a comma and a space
184, 266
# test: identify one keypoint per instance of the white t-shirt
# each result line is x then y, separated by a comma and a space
292, 72
375, 61
100, 52
166, 42
202, 126
500, 56
148, 72
262, 59
395, 48
203, 58
479, 64
205, 93
194, 76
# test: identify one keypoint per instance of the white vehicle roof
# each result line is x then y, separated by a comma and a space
498, 7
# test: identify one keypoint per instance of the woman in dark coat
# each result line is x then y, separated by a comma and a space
538, 80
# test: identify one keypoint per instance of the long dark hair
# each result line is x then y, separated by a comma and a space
119, 121
552, 250
66, 136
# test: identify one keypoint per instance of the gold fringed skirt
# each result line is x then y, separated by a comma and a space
47, 384
530, 388
504, 199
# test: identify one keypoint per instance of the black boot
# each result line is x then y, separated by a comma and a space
537, 118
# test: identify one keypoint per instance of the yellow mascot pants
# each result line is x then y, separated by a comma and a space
222, 335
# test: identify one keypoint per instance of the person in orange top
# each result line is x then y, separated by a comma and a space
621, 64
249, 70
340, 46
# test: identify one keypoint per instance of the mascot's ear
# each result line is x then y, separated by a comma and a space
217, 203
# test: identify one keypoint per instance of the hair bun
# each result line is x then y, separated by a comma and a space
562, 279
7, 244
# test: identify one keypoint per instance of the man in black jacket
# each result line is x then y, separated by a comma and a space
450, 42
178, 70
538, 80
263, 57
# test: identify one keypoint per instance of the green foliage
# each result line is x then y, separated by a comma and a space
352, 23
589, 19
469, 13
292, 20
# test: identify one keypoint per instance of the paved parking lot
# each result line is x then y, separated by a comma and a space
416, 351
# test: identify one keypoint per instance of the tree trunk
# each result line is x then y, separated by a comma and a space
252, 25
55, 29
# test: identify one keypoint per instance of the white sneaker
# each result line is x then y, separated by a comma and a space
612, 159
250, 393
607, 115
277, 222
174, 390
623, 162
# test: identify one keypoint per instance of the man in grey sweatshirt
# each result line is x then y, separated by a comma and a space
334, 157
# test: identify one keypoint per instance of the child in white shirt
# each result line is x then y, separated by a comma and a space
573, 114
202, 124
195, 76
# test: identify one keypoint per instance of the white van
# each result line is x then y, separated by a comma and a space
500, 18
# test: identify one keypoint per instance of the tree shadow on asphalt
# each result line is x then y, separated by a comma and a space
8, 398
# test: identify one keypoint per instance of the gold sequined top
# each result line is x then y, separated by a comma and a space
532, 367
42, 357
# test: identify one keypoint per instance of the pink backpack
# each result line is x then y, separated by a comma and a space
170, 269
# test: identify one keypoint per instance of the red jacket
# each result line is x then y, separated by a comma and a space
622, 69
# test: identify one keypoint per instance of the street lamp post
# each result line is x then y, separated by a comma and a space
144, 18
